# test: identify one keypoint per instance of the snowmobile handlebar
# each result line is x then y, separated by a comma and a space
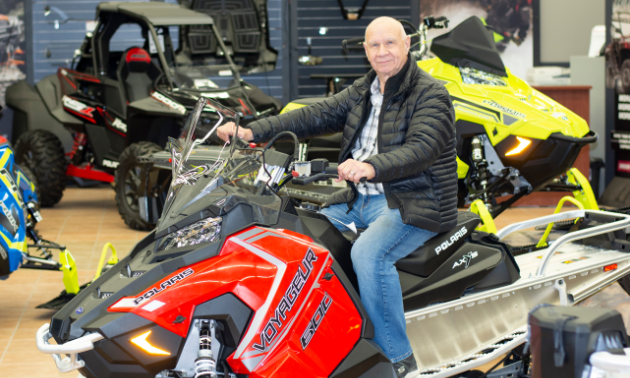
307, 172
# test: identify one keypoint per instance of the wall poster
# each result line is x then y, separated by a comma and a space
617, 55
12, 45
511, 21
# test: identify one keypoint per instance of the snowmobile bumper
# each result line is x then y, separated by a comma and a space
72, 348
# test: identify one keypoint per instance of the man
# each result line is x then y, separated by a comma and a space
398, 133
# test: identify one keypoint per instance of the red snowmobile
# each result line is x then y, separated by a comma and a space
237, 282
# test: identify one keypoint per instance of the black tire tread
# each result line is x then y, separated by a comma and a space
128, 159
48, 165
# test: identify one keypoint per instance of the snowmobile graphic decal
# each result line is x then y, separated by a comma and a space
275, 323
466, 259
309, 332
504, 109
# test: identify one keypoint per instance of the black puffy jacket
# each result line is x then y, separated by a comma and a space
416, 142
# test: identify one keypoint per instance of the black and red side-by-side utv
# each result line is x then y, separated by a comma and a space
119, 103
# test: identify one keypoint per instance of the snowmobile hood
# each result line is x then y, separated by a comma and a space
504, 105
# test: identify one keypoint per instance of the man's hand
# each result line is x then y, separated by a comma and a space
354, 171
226, 131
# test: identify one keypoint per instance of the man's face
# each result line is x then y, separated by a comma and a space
386, 49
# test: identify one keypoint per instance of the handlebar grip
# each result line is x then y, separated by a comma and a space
355, 40
312, 179
331, 170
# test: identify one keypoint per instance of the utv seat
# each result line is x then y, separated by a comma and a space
137, 72
424, 260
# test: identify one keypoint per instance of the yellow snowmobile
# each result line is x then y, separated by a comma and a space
511, 139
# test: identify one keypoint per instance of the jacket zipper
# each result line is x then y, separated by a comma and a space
353, 187
381, 116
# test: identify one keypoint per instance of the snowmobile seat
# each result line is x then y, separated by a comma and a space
137, 72
426, 259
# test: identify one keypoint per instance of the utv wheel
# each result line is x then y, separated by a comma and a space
41, 152
127, 186
625, 76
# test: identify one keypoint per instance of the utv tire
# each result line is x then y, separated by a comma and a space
41, 152
127, 184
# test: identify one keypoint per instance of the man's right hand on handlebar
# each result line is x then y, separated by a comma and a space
226, 131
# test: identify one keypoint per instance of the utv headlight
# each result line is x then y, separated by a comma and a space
204, 231
473, 76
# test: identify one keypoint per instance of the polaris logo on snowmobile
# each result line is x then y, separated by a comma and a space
274, 324
110, 163
170, 282
455, 237
168, 102
466, 259
309, 332
119, 125
504, 109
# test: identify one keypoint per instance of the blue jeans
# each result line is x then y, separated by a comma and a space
386, 240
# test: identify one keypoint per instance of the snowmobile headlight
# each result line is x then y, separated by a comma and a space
523, 143
204, 231
144, 344
473, 76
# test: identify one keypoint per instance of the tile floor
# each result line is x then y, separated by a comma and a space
84, 221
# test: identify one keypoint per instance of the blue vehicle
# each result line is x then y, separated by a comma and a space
18, 215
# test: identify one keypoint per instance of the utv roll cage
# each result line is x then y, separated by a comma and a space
110, 16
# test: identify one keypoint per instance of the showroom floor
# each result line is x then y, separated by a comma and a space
84, 221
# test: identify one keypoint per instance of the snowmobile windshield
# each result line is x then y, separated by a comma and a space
205, 112
233, 167
471, 45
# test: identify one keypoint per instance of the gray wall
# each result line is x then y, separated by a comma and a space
63, 41
565, 27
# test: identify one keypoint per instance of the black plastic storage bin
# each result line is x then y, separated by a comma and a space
563, 338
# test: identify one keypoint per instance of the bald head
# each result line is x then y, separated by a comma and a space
386, 46
386, 23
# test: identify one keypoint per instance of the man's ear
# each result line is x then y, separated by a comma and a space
366, 51
408, 42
